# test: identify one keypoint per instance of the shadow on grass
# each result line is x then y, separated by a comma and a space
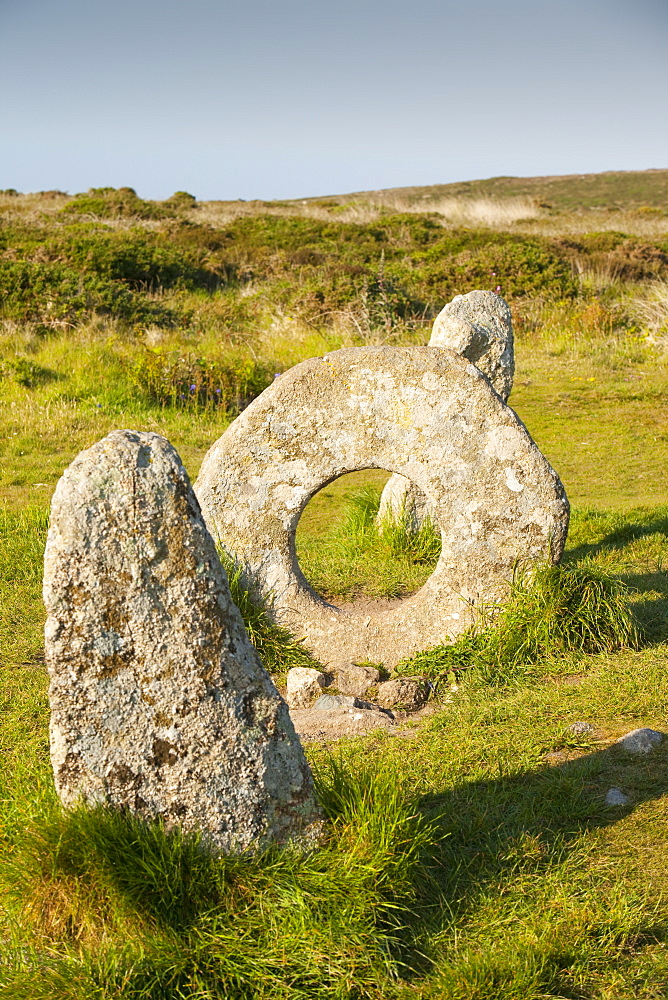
534, 817
620, 537
365, 903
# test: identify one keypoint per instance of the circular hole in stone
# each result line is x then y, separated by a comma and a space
349, 560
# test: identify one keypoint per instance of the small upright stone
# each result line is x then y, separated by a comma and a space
304, 685
159, 703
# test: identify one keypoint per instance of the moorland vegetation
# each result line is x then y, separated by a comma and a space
472, 857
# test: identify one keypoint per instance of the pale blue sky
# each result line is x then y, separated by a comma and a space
278, 100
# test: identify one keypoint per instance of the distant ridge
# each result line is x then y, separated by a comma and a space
614, 189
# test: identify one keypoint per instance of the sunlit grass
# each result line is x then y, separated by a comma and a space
352, 557
467, 857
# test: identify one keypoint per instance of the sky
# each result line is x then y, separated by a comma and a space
297, 98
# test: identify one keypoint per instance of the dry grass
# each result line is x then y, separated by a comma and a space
652, 311
30, 207
521, 214
454, 211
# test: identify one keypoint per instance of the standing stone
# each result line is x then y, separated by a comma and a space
159, 703
423, 412
479, 326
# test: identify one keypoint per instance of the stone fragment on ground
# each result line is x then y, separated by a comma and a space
581, 728
159, 703
304, 685
408, 693
329, 702
641, 741
356, 678
616, 797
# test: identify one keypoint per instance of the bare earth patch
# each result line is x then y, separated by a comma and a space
314, 725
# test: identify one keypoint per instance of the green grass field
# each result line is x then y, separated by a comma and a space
470, 856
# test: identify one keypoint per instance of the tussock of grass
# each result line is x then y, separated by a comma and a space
551, 612
22, 539
283, 923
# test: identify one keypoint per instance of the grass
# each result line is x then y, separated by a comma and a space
471, 859
284, 923
353, 557
279, 650
551, 613
471, 856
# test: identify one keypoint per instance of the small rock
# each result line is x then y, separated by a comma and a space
304, 686
641, 740
329, 702
616, 797
403, 692
356, 679
580, 728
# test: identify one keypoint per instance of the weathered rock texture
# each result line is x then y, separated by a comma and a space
356, 678
423, 412
641, 741
478, 326
159, 703
408, 693
304, 685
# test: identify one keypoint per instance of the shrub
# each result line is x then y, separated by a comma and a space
27, 373
54, 294
141, 261
180, 200
112, 203
186, 381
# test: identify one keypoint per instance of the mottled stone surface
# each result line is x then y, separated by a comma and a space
304, 685
478, 326
641, 741
423, 412
159, 703
356, 678
407, 693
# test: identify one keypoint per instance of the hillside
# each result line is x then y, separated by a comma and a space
471, 853
617, 190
